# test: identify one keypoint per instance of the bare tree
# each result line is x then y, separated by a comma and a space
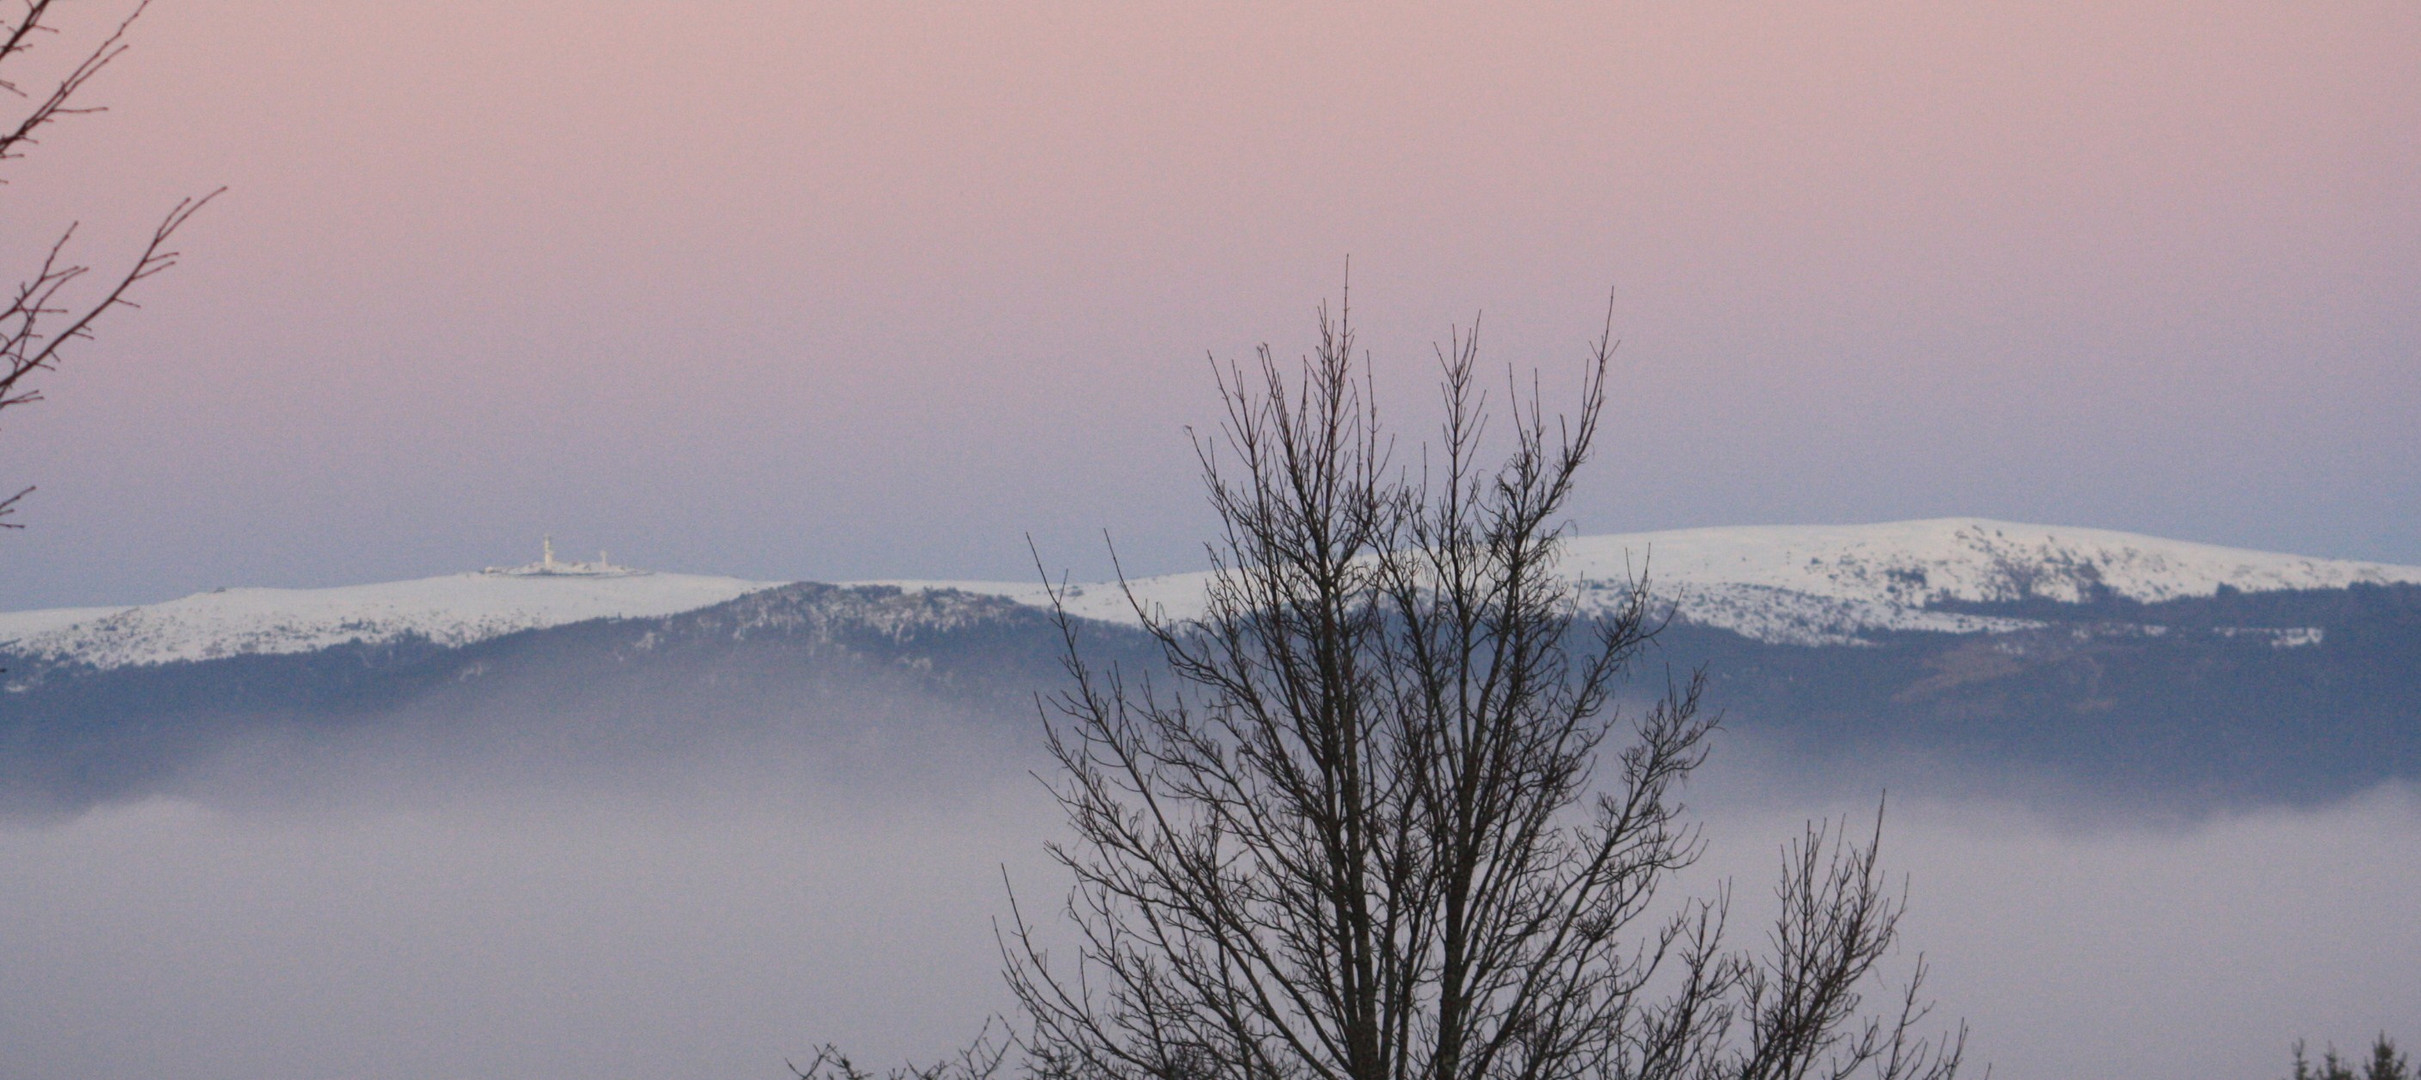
1362, 834
52, 307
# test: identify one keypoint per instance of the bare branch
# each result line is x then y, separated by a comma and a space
58, 101
43, 315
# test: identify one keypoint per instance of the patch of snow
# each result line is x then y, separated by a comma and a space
2279, 637
1787, 617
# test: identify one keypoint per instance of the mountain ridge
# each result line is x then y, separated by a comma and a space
1788, 585
450, 610
1843, 585
2282, 694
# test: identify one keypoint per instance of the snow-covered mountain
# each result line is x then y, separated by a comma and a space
1982, 644
1797, 585
454, 610
1828, 585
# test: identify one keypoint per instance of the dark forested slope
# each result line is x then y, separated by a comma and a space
2240, 696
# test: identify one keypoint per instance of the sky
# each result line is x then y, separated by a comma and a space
844, 291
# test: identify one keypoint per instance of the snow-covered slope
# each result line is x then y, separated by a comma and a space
1964, 559
1805, 585
453, 610
1827, 585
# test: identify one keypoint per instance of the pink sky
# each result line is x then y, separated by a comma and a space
791, 289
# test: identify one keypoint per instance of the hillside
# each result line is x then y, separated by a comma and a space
2118, 663
1839, 585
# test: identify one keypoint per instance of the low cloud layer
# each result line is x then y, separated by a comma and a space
713, 924
2117, 948
559, 936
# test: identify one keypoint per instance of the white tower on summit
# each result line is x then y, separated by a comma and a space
548, 566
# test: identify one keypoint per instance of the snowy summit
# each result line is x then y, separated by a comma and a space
1794, 585
454, 610
1830, 584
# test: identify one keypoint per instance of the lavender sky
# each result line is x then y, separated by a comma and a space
789, 289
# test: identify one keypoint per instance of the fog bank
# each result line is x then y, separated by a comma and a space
2197, 950
702, 929
557, 936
